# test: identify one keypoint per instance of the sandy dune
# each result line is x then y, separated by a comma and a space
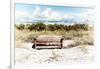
27, 55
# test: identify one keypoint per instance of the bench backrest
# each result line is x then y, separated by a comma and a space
49, 38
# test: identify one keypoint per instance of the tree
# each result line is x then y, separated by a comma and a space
20, 27
31, 27
40, 26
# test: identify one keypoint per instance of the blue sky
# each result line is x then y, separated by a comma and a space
36, 12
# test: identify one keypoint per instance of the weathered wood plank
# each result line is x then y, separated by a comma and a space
48, 42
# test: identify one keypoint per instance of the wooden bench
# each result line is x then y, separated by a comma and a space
48, 42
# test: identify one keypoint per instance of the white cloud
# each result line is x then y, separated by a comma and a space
22, 16
19, 14
37, 12
48, 13
68, 16
51, 15
88, 15
55, 16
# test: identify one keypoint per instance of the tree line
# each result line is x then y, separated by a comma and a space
40, 26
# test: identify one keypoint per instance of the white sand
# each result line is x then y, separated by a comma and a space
27, 55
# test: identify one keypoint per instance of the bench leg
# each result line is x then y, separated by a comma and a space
33, 46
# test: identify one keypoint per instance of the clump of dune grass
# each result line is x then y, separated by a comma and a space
55, 56
85, 40
18, 44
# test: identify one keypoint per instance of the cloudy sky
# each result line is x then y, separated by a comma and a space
47, 13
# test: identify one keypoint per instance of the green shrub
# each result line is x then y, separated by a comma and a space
40, 26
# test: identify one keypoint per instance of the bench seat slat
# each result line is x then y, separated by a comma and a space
48, 44
48, 47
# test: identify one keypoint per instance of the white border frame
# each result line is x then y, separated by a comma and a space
12, 52
48, 2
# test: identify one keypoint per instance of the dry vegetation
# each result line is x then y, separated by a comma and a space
82, 39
